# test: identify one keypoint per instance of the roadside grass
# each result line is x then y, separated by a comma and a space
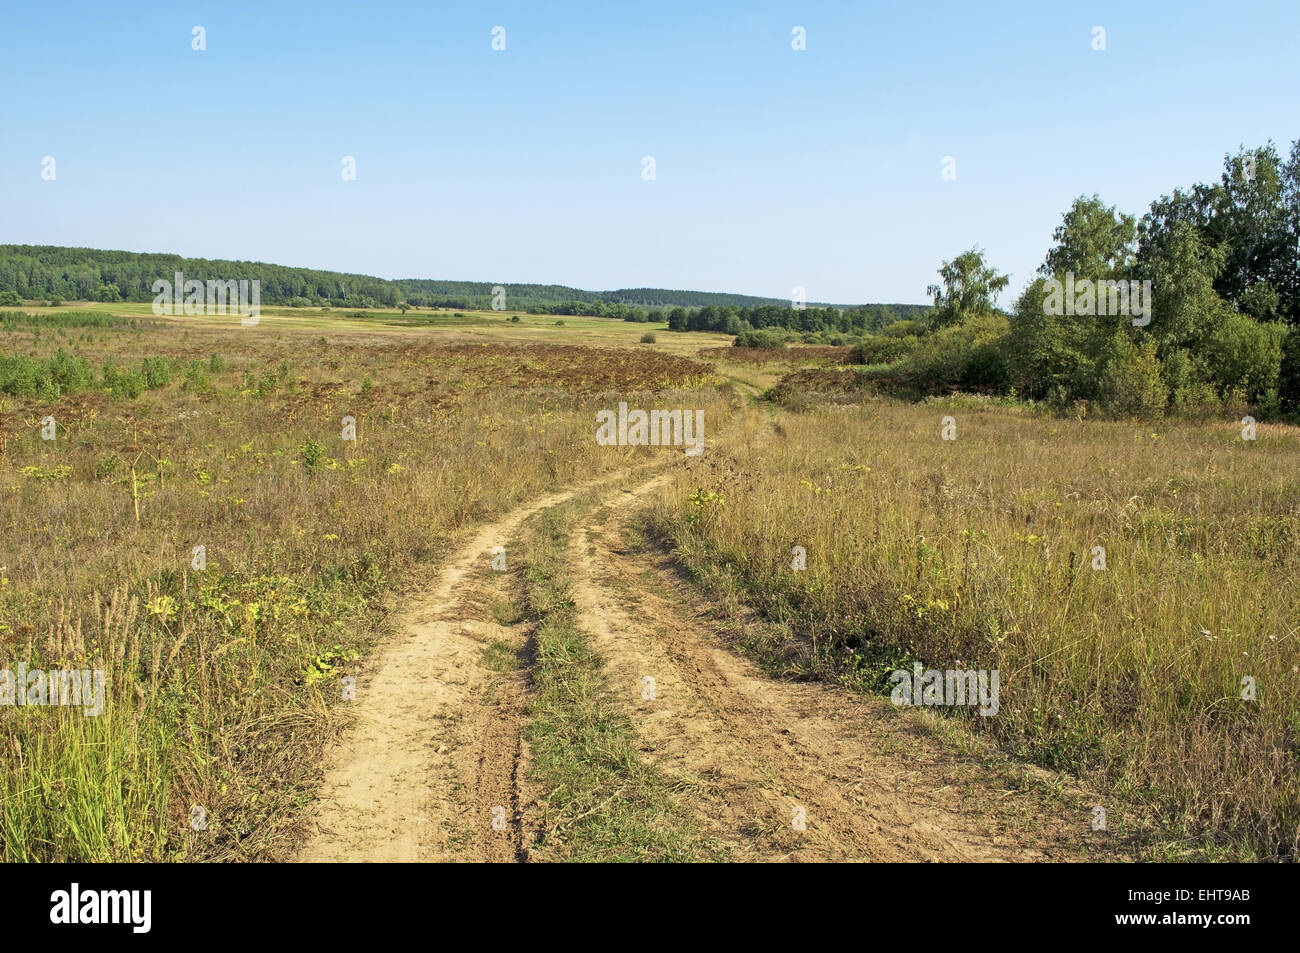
500, 656
1051, 809
978, 553
603, 803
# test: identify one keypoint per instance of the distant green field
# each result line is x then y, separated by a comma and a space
493, 326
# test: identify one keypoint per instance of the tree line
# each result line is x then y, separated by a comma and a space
46, 272
734, 320
1191, 307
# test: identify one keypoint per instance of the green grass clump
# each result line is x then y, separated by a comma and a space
604, 803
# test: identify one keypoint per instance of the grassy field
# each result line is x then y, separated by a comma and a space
981, 552
189, 432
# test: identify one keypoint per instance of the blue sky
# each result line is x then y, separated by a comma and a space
774, 168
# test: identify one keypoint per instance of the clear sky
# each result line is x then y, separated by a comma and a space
774, 167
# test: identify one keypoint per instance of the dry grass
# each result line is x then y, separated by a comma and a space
793, 356
221, 681
978, 553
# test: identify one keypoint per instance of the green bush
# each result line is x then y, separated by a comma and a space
961, 356
108, 466
12, 320
903, 329
986, 370
1246, 354
123, 383
313, 454
196, 378
156, 371
882, 348
1131, 382
1052, 357
1191, 391
647, 338
763, 340
60, 374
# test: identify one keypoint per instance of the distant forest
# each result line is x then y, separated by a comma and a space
49, 272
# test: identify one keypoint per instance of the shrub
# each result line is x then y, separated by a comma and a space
903, 329
69, 373
967, 355
1131, 384
107, 467
123, 383
882, 349
1190, 389
196, 378
647, 338
313, 454
1049, 355
986, 370
1246, 354
763, 340
59, 374
12, 320
156, 371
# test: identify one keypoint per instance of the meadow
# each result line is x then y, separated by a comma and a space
1164, 671
976, 552
172, 434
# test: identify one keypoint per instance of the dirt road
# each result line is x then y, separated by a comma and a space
426, 754
434, 768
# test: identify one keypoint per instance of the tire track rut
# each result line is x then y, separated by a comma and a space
434, 745
757, 751
435, 753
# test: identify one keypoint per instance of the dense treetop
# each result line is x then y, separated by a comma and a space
1190, 308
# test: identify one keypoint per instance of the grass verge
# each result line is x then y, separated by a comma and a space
603, 802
